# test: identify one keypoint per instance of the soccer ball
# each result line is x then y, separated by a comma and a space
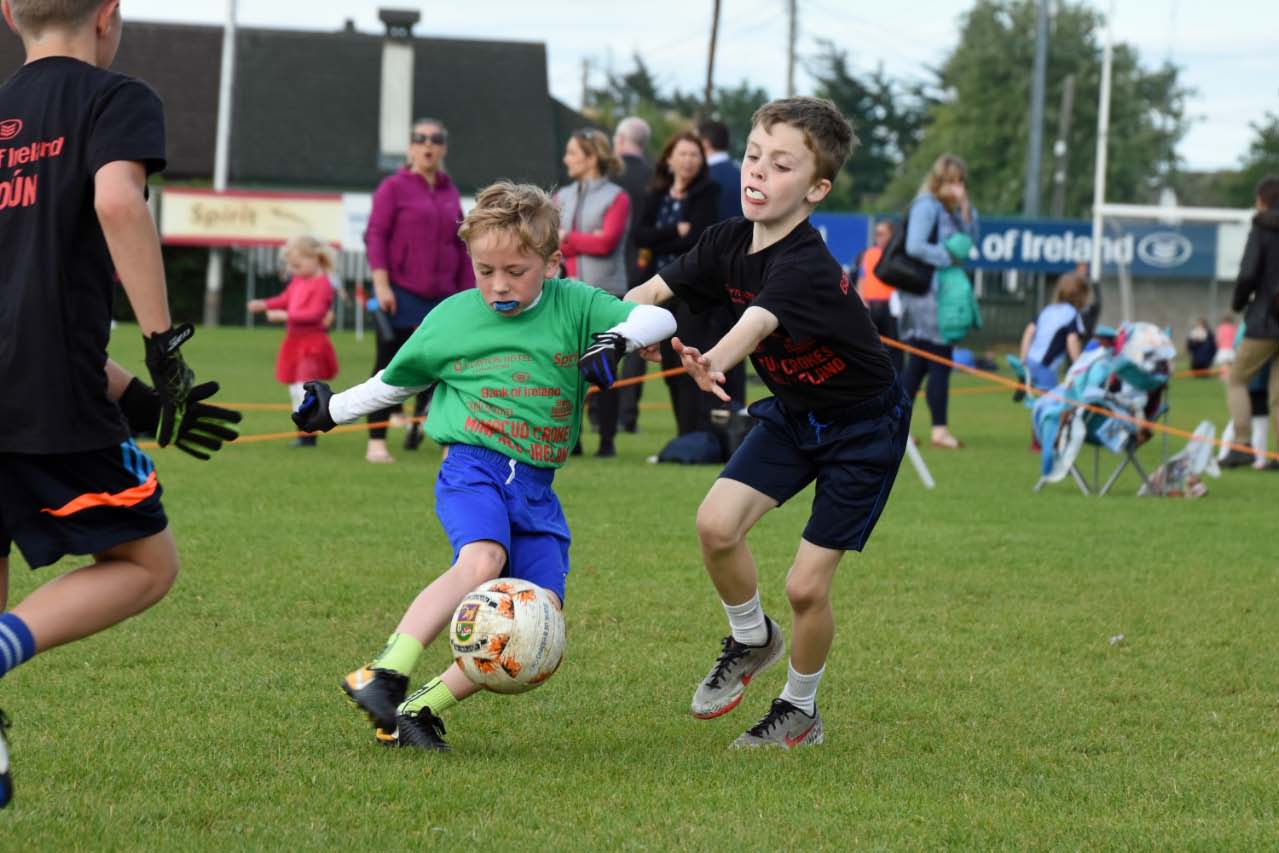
508, 635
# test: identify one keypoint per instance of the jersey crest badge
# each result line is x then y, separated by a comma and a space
9, 128
843, 283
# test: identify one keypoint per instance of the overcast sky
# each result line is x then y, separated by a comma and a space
1226, 48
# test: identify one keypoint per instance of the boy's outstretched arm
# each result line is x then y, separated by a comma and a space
652, 292
708, 369
646, 326
321, 409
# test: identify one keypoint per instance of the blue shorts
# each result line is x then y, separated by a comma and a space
853, 453
53, 505
482, 494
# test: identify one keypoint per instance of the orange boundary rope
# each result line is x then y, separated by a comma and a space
1001, 384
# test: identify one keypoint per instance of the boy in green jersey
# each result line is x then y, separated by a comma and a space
511, 359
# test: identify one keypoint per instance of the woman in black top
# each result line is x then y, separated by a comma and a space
682, 202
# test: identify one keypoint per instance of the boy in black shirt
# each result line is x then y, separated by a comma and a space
837, 414
77, 143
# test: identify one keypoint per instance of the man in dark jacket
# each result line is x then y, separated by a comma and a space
1257, 296
630, 142
724, 170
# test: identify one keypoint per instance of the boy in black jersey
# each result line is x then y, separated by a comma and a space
77, 143
837, 416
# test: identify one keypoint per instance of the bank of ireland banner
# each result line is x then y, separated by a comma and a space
846, 234
1147, 249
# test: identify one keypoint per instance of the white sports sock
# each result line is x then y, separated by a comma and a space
801, 689
746, 621
1260, 435
296, 394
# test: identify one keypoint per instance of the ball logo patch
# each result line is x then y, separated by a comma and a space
9, 128
465, 620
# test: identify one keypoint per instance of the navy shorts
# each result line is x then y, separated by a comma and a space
482, 494
853, 453
52, 505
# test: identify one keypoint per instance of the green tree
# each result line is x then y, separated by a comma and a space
1262, 159
889, 119
982, 114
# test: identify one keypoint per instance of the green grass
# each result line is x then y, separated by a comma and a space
974, 697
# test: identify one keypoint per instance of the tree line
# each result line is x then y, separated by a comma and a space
976, 104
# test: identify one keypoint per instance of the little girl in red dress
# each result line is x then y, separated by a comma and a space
304, 307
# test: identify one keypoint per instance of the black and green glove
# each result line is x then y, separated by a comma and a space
203, 428
171, 377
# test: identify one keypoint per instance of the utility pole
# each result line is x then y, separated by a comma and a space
586, 74
1099, 172
709, 97
217, 256
1061, 146
1034, 151
793, 14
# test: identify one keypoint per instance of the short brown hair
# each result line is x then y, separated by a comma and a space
1268, 191
827, 133
524, 210
1073, 288
33, 17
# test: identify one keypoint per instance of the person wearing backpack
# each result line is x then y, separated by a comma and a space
941, 210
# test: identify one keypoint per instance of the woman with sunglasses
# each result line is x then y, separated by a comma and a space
595, 216
416, 257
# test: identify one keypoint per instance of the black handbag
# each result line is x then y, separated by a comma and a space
902, 271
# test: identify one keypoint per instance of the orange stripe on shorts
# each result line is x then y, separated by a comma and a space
129, 497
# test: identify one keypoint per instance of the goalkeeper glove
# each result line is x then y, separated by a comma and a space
313, 414
171, 377
599, 363
203, 427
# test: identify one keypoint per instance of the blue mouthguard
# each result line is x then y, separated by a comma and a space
508, 305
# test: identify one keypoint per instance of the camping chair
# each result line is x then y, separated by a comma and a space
1129, 376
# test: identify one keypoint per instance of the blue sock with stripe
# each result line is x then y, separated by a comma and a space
16, 643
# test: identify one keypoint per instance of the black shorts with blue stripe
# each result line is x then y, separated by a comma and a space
57, 504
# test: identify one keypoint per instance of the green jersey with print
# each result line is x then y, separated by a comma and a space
510, 384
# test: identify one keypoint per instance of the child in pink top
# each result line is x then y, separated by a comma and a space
306, 353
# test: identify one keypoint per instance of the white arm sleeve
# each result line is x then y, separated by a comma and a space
367, 398
647, 324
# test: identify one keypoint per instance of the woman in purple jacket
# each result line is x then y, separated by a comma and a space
416, 257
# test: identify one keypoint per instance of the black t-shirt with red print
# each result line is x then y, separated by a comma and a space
825, 352
61, 120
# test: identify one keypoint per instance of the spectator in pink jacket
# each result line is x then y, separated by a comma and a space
416, 258
304, 307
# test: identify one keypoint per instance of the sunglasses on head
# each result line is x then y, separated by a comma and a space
437, 138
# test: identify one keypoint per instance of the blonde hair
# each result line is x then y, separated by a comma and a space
33, 17
946, 168
310, 247
594, 143
1073, 288
524, 210
826, 132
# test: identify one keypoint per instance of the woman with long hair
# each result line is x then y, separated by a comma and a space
682, 203
941, 209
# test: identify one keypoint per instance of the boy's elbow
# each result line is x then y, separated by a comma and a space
118, 206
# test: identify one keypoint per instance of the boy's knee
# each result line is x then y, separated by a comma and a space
806, 592
716, 530
480, 562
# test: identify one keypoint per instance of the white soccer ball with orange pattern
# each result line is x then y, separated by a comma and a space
508, 635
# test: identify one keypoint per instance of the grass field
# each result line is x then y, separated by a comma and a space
977, 695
